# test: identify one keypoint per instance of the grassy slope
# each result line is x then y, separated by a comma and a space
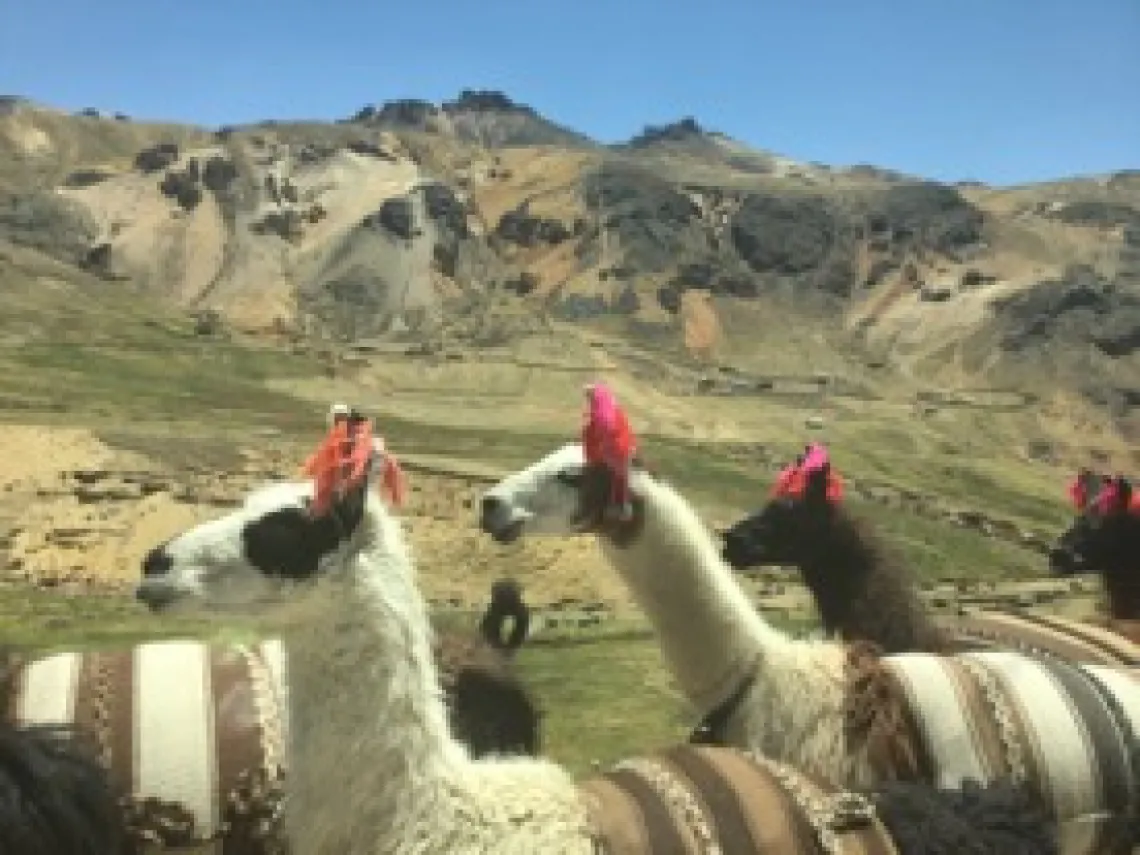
109, 360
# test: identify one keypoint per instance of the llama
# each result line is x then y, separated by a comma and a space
1105, 539
506, 604
375, 769
816, 704
55, 798
862, 592
222, 775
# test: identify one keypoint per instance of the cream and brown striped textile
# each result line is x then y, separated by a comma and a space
1067, 729
701, 800
1074, 640
193, 731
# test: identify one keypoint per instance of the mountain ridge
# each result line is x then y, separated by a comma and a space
423, 220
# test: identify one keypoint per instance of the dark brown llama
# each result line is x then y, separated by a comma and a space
1105, 539
863, 592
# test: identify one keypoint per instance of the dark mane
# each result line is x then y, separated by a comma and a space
1105, 539
864, 592
55, 798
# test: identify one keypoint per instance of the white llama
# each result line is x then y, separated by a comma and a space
374, 769
1068, 729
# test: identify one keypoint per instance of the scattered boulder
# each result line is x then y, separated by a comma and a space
936, 292
97, 259
580, 307
157, 157
208, 323
669, 297
396, 216
370, 149
219, 175
627, 301
86, 178
974, 278
443, 206
524, 230
522, 284
287, 223
182, 187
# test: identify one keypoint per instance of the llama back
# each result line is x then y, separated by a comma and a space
193, 732
692, 800
1068, 730
1074, 640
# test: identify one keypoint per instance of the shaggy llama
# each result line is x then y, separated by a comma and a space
194, 731
863, 592
824, 707
55, 798
1105, 538
374, 768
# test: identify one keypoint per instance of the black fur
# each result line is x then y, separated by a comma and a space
55, 798
289, 543
506, 602
1105, 541
998, 819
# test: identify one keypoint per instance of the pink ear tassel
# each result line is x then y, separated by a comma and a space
816, 458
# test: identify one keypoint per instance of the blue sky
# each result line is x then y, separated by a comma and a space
996, 90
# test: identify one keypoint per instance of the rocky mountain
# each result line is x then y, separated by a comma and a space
478, 216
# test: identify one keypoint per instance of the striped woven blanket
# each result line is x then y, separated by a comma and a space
1074, 640
701, 800
1069, 730
224, 769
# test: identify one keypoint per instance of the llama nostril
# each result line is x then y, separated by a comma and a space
490, 508
157, 563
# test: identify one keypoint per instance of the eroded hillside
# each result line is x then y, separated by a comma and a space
468, 223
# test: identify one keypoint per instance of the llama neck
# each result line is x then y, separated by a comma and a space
862, 595
710, 634
1122, 583
370, 743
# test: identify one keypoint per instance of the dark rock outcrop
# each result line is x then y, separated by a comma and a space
681, 131
1080, 306
182, 187
520, 228
1102, 214
656, 222
395, 216
921, 213
218, 175
157, 157
444, 208
86, 178
785, 235
46, 222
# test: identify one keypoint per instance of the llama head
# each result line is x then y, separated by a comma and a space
1105, 533
559, 495
542, 499
793, 523
282, 539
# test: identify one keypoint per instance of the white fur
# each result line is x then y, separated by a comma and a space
710, 634
373, 766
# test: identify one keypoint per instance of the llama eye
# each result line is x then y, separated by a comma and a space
569, 477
